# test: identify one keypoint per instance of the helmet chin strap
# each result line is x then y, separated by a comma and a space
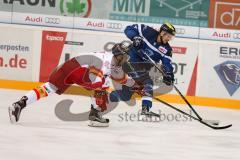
160, 38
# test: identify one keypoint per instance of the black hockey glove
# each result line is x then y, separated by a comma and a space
168, 78
137, 42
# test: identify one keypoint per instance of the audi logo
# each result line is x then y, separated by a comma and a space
180, 30
51, 20
111, 25
236, 35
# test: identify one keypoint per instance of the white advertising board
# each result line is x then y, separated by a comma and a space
219, 70
16, 54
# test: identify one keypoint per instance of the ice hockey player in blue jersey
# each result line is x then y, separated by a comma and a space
146, 40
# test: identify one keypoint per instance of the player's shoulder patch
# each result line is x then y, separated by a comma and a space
166, 49
162, 49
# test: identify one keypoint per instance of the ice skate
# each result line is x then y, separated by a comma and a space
146, 112
16, 108
96, 119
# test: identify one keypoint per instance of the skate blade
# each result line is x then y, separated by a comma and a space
151, 114
12, 117
97, 124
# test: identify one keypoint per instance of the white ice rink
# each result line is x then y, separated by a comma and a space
40, 135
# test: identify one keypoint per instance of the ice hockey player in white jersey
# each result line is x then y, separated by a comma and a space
93, 72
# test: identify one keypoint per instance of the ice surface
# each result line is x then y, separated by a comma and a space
41, 135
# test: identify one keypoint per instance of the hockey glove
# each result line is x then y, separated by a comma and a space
137, 42
168, 78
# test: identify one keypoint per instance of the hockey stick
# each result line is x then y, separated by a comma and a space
161, 71
189, 115
190, 106
214, 122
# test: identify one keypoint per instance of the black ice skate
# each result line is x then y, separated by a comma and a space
146, 112
96, 119
16, 108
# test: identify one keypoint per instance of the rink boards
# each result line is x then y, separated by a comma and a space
208, 72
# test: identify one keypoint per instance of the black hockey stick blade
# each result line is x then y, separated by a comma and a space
213, 122
199, 120
215, 127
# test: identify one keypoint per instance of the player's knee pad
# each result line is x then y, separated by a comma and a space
120, 95
114, 96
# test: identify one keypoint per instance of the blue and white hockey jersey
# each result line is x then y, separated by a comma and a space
158, 52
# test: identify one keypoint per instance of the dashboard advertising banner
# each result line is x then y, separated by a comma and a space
16, 54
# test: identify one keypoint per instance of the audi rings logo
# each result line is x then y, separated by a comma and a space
112, 25
51, 20
180, 30
236, 35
